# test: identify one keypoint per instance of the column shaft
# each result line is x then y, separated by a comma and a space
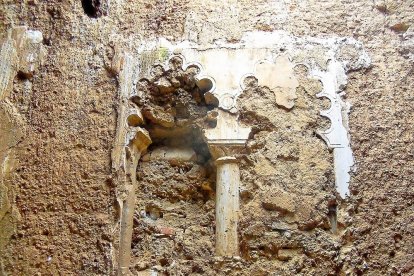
227, 206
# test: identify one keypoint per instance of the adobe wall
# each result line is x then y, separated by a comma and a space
60, 91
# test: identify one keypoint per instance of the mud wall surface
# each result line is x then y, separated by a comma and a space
59, 104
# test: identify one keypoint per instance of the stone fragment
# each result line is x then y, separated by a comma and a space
175, 83
400, 27
407, 47
174, 155
206, 187
164, 85
307, 218
153, 211
30, 50
278, 200
158, 116
205, 85
280, 226
286, 254
381, 5
116, 61
255, 230
134, 120
138, 137
165, 231
211, 99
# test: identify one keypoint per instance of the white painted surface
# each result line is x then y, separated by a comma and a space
35, 36
227, 131
336, 137
343, 162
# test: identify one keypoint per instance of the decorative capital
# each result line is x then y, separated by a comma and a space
228, 137
226, 160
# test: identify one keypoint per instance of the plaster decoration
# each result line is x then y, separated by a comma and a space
270, 57
8, 66
125, 76
129, 115
130, 143
219, 70
279, 77
227, 68
336, 137
222, 72
12, 129
227, 132
136, 146
225, 140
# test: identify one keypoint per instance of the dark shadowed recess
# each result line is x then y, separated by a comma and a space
92, 8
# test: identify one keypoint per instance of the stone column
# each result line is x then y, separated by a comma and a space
225, 141
227, 206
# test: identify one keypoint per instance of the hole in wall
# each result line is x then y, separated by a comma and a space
92, 8
332, 214
21, 76
153, 212
164, 262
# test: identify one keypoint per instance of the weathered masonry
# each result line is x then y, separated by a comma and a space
228, 138
189, 107
21, 55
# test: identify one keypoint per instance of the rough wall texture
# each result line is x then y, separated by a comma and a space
58, 210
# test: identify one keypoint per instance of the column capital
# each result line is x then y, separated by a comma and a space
225, 153
226, 160
228, 138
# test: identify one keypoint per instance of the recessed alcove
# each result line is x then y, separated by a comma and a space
175, 176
